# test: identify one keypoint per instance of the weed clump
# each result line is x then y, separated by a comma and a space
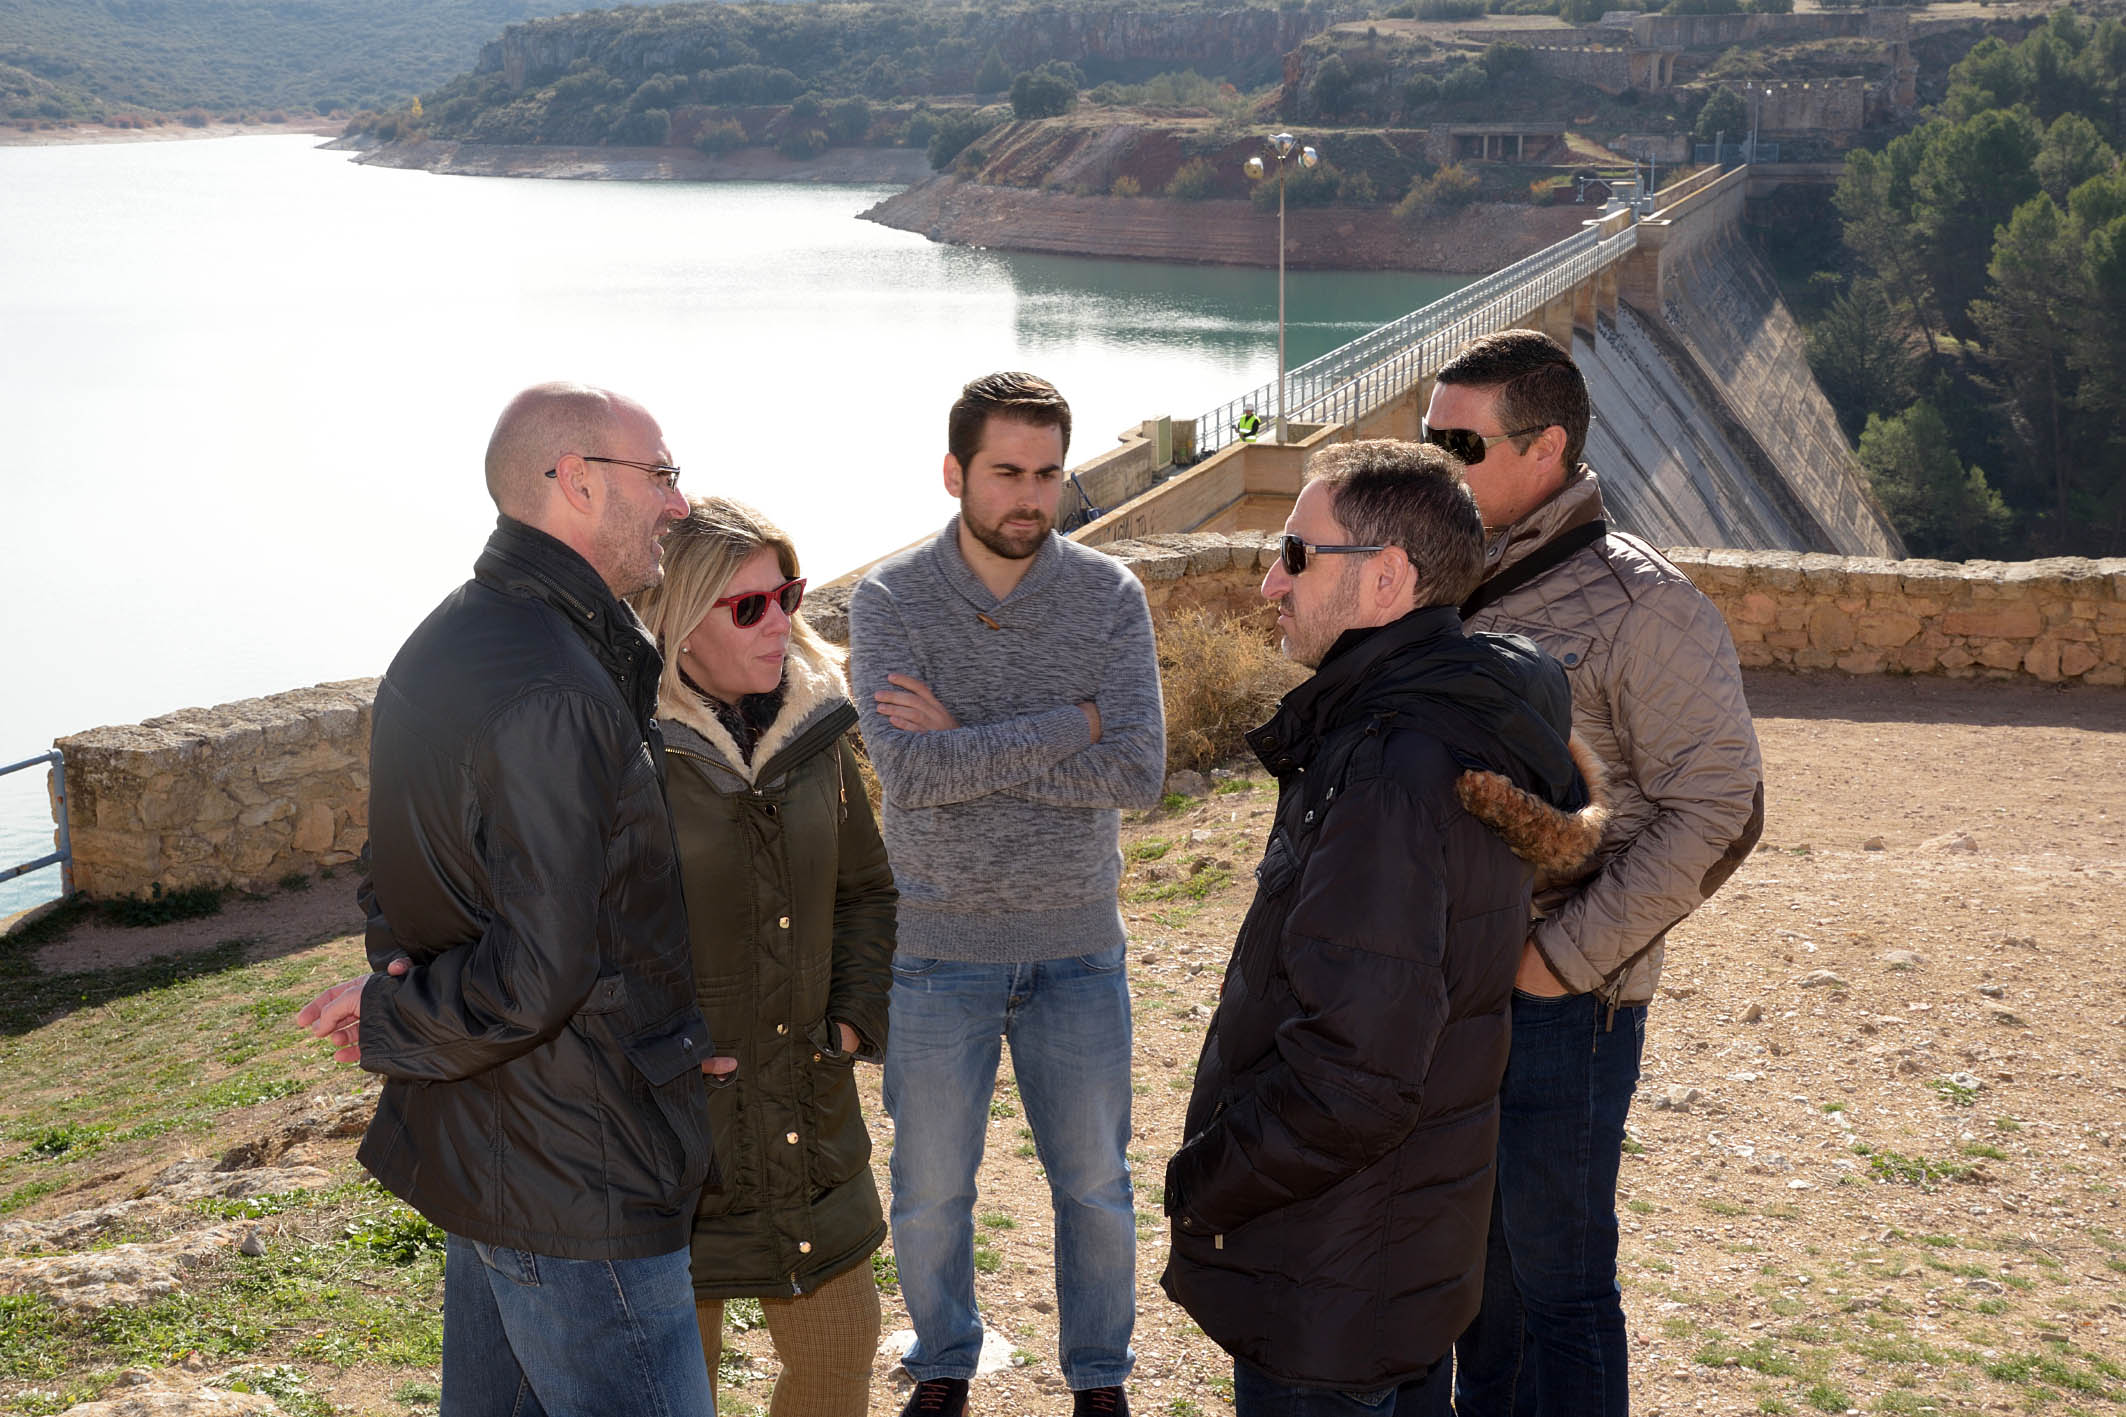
1219, 678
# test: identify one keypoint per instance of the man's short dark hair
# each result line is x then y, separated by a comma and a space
1385, 492
1538, 384
1024, 398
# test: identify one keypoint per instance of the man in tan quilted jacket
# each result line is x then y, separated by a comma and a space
1657, 692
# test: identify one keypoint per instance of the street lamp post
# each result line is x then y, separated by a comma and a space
1283, 147
1760, 95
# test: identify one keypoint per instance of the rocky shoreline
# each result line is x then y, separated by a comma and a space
955, 210
884, 166
1475, 240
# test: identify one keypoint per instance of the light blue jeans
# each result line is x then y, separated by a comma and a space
1068, 1024
528, 1335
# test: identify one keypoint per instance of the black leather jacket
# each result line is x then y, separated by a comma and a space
543, 1058
1330, 1202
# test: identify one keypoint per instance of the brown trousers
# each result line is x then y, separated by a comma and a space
827, 1341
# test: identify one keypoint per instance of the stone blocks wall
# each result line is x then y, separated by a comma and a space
2055, 621
242, 794
237, 795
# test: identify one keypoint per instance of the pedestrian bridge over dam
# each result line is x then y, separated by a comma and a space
1709, 428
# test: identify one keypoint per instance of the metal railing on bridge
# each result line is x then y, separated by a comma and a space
63, 857
1358, 377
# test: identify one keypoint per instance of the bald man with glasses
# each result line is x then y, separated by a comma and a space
532, 1008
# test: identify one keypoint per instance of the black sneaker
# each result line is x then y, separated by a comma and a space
1099, 1402
938, 1397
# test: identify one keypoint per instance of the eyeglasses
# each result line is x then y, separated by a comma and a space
1293, 552
747, 609
659, 471
1468, 444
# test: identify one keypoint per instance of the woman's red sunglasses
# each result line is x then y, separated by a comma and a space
747, 609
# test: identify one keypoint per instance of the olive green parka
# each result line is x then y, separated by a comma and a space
790, 902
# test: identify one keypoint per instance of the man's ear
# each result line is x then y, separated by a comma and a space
1549, 445
955, 477
1394, 579
572, 475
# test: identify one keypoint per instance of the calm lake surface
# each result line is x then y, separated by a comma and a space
247, 385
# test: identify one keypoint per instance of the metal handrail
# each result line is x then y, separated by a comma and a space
1361, 375
63, 858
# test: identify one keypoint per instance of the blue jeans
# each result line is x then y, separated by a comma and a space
1068, 1024
527, 1335
1549, 1337
1257, 1394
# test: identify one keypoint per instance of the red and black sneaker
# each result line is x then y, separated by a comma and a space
1099, 1402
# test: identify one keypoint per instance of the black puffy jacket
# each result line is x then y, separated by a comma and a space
542, 1060
1330, 1199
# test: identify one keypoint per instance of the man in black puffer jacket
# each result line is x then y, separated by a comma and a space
1330, 1200
533, 1012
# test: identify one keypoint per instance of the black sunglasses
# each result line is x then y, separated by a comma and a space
1466, 443
1293, 552
747, 608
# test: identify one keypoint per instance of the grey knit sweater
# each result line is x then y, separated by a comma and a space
1002, 831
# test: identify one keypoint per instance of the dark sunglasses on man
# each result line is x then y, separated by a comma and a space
1466, 443
747, 608
1293, 552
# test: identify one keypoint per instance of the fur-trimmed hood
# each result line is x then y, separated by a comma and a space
1559, 844
813, 687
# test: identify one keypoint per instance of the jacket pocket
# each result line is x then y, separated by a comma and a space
735, 1184
841, 1146
668, 1057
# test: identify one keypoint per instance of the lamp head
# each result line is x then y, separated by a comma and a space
1284, 143
1308, 157
1254, 168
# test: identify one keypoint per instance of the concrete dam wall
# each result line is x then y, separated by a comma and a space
1709, 427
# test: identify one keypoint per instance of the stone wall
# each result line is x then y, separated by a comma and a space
238, 795
2062, 620
242, 794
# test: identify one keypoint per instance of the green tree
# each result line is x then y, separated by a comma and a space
849, 121
1942, 508
2025, 320
1860, 354
992, 76
1874, 196
1992, 75
1724, 112
2073, 152
1330, 90
2098, 356
1504, 57
1971, 178
1193, 181
956, 129
1042, 94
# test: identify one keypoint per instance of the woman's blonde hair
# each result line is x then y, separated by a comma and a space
701, 554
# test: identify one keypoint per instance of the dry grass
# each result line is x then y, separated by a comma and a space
1220, 677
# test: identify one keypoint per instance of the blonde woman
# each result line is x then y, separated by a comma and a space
791, 906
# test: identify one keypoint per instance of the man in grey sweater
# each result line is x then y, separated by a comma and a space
1009, 690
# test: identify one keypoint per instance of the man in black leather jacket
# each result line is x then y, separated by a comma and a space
1329, 1201
533, 1008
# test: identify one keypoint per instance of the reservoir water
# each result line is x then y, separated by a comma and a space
246, 385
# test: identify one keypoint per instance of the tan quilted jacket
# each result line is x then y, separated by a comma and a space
1657, 692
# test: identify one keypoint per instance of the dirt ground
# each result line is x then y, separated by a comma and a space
1756, 1237
1876, 1151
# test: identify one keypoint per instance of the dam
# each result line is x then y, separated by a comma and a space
1709, 428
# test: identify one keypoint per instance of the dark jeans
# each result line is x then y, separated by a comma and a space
528, 1335
1257, 1394
1549, 1338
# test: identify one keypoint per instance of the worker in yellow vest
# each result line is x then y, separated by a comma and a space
1249, 425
